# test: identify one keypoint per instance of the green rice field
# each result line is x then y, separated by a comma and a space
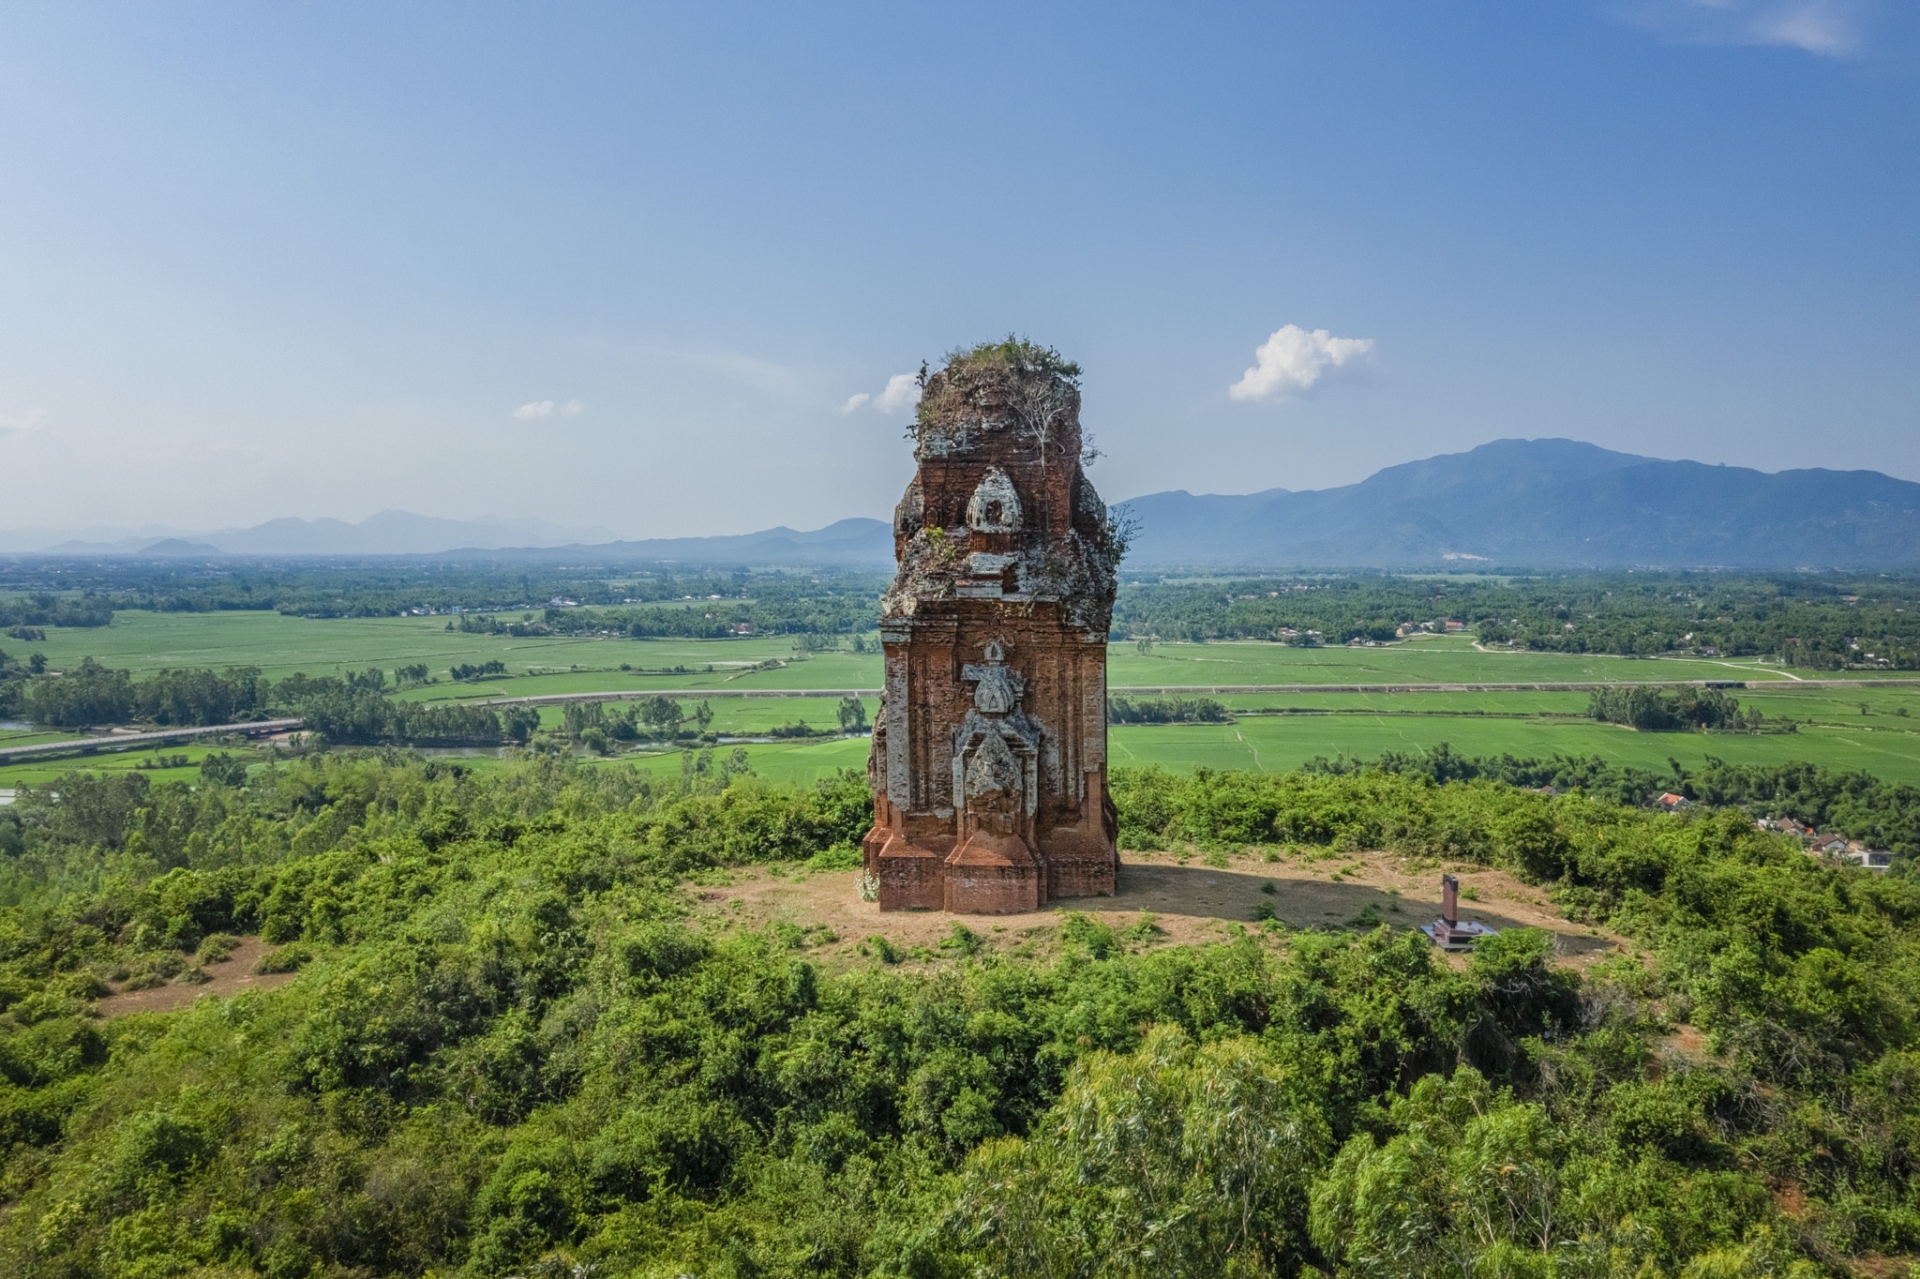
144, 642
1876, 729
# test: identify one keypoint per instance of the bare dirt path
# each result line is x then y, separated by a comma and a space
230, 976
1190, 901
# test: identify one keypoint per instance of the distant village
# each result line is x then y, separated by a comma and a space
1838, 847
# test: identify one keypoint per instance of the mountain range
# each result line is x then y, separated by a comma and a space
1545, 503
388, 533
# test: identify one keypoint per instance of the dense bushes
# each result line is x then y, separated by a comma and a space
1659, 710
47, 608
364, 717
1854, 803
508, 1054
1166, 710
350, 711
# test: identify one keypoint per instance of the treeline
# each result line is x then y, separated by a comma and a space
46, 608
1166, 710
1853, 803
602, 727
349, 710
92, 694
1824, 621
800, 615
509, 1054
353, 710
15, 672
389, 586
1660, 710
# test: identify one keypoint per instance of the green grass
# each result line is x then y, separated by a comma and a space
38, 772
1277, 743
1834, 731
803, 762
145, 642
1431, 660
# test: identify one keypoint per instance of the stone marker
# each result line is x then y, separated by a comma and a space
989, 760
1448, 932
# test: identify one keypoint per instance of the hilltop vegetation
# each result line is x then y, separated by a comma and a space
508, 1054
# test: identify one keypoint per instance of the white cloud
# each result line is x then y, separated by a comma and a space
902, 391
1293, 359
1827, 28
31, 420
547, 408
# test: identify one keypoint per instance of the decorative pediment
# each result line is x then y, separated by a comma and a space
997, 689
994, 506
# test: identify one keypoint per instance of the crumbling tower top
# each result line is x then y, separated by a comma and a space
1000, 451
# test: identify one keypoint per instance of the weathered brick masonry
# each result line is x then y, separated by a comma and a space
989, 762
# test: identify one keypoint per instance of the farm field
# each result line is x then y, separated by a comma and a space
1437, 659
144, 642
1877, 729
41, 771
1281, 732
1278, 743
1780, 701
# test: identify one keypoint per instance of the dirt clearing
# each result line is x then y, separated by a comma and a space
1191, 900
228, 976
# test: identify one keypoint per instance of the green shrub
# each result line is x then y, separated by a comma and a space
215, 948
286, 959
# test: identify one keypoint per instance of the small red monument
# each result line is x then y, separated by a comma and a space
989, 762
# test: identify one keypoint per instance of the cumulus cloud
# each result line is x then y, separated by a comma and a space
547, 408
1294, 359
30, 420
902, 391
1826, 28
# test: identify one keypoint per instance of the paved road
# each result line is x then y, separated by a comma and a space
130, 741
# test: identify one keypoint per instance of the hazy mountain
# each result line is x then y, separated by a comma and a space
395, 533
1511, 503
176, 548
388, 533
854, 542
1546, 503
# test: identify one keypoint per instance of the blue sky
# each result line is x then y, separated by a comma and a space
633, 265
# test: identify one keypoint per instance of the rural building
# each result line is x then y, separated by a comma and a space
1874, 859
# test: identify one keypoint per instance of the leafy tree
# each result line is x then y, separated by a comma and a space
853, 715
1177, 1158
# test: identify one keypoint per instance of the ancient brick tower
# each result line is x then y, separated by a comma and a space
989, 763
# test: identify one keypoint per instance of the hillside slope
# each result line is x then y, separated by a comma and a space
1547, 503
